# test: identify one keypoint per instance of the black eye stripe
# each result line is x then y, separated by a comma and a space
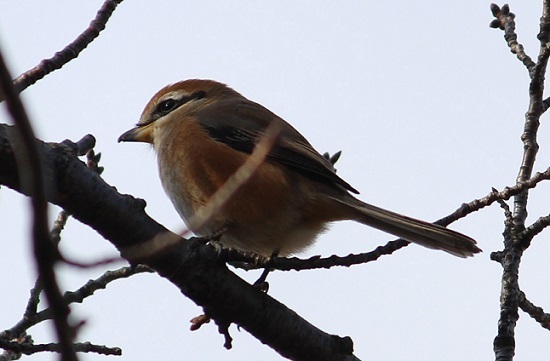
166, 106
170, 104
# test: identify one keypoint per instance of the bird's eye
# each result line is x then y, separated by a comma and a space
167, 105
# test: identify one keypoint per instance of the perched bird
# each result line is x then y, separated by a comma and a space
203, 132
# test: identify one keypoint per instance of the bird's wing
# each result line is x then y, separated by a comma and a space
240, 124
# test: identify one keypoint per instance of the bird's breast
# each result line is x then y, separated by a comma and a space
190, 167
263, 215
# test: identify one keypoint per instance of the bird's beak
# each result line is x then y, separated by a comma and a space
141, 133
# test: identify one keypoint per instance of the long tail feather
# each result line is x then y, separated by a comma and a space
413, 230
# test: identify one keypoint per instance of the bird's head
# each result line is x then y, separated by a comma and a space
175, 102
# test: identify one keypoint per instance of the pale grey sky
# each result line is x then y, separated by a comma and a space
425, 100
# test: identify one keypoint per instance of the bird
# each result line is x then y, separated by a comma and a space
203, 132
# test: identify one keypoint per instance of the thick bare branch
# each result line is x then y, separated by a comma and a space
189, 264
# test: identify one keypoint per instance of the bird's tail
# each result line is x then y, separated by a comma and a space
413, 230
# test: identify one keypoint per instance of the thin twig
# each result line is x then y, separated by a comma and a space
492, 197
101, 282
34, 299
240, 260
99, 263
505, 21
77, 296
508, 216
538, 226
29, 349
536, 312
58, 225
68, 53
55, 235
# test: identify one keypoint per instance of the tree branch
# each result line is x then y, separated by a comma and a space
29, 348
536, 312
68, 53
514, 246
538, 226
504, 20
33, 318
192, 266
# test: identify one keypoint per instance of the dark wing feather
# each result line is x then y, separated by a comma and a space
241, 123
